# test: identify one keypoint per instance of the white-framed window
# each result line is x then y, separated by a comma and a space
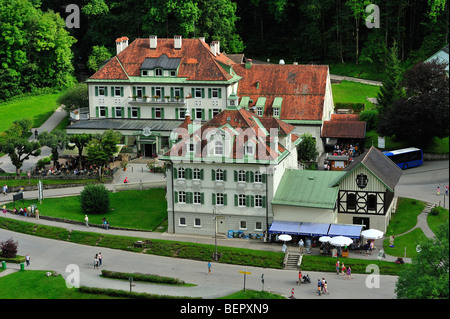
248, 150
196, 172
118, 112
198, 113
182, 197
144, 73
181, 113
218, 148
158, 72
102, 111
215, 93
276, 112
173, 73
242, 224
219, 199
258, 201
134, 112
158, 91
198, 92
258, 226
214, 112
197, 222
182, 221
181, 173
139, 91
197, 198
101, 91
241, 200
177, 92
241, 176
258, 177
219, 175
192, 150
117, 91
259, 111
158, 113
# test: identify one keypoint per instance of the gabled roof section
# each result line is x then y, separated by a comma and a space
163, 62
238, 126
301, 87
381, 166
344, 126
197, 63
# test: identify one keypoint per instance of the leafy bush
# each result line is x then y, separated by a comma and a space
435, 211
94, 199
371, 118
142, 277
9, 248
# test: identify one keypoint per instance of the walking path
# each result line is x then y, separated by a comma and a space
339, 78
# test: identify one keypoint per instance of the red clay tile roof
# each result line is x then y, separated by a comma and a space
197, 61
247, 126
302, 88
344, 126
112, 70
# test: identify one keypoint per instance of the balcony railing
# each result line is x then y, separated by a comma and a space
156, 100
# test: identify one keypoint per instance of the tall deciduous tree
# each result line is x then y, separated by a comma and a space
56, 140
16, 144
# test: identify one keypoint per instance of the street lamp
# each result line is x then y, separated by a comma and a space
215, 233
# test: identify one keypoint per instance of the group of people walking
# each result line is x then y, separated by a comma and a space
345, 271
98, 260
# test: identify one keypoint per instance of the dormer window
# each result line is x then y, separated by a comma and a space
144, 73
158, 72
276, 112
248, 150
218, 148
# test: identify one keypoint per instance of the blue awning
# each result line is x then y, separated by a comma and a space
352, 231
284, 227
314, 229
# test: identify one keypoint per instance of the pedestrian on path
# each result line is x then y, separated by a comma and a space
27, 259
319, 287
36, 213
337, 267
300, 245
349, 273
446, 190
96, 261
5, 190
325, 288
438, 191
209, 267
4, 210
299, 277
343, 269
100, 258
86, 219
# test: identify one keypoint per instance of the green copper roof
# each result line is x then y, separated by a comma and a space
306, 188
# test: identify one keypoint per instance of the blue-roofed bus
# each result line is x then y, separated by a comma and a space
406, 157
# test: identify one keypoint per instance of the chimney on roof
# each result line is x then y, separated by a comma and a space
124, 43
295, 63
248, 64
215, 48
153, 42
177, 42
202, 39
121, 44
281, 61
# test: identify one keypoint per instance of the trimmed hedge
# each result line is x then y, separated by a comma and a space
128, 294
142, 277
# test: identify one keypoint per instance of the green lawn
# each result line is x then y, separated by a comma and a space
409, 240
353, 92
253, 294
405, 217
368, 71
144, 209
36, 108
30, 284
435, 220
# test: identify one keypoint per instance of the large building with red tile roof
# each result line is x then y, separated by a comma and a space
151, 82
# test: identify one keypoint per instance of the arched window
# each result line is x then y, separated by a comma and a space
218, 148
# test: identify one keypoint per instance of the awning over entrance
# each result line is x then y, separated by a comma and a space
352, 231
314, 229
283, 227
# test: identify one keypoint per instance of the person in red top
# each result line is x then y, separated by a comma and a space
125, 180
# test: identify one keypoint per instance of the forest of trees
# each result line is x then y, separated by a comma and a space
36, 50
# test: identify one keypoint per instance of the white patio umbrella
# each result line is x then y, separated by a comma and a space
340, 241
324, 239
285, 237
372, 234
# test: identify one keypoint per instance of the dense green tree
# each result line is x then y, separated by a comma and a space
15, 143
99, 55
307, 150
75, 97
427, 276
35, 49
101, 150
56, 140
94, 199
80, 141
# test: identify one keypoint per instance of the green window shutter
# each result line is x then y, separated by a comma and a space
235, 176
153, 112
153, 91
175, 173
202, 198
203, 114
143, 91
96, 111
188, 173
224, 199
193, 92
162, 113
209, 93
171, 93
201, 174
134, 90
235, 200
96, 91
252, 177
220, 93
247, 176
176, 113
162, 92
182, 93
224, 175
203, 93
210, 114
264, 178
175, 198
213, 198
106, 91
123, 112
106, 111
139, 112
121, 91
252, 201
129, 112
247, 201
264, 201
213, 175
113, 112
189, 197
